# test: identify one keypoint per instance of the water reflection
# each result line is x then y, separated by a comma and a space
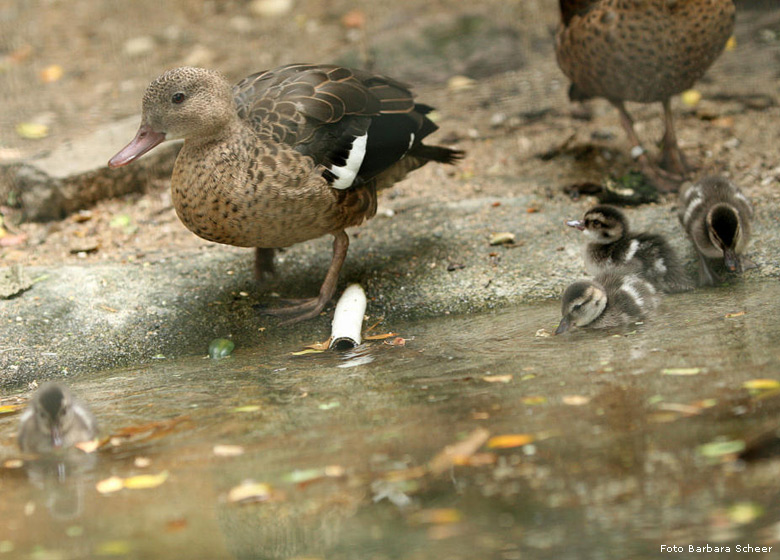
614, 467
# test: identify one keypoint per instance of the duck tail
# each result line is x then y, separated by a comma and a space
437, 153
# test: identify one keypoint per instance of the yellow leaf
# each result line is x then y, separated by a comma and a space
507, 441
113, 548
247, 408
497, 378
223, 450
51, 73
691, 97
735, 314
438, 516
575, 400
32, 131
143, 481
380, 336
534, 399
9, 408
761, 384
306, 351
249, 491
109, 485
681, 371
731, 44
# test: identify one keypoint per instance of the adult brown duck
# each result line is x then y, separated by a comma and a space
644, 51
284, 156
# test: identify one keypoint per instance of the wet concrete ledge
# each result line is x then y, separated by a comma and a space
425, 260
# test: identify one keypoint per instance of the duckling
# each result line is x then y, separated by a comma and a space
716, 216
644, 51
54, 420
284, 156
611, 299
611, 245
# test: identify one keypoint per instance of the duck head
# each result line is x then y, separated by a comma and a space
723, 228
181, 103
583, 302
602, 224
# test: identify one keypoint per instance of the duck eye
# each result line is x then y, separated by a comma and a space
178, 97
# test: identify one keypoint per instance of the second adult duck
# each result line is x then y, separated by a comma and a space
284, 156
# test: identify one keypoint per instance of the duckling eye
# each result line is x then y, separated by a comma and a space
63, 411
178, 97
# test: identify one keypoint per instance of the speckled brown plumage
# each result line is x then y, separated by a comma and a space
644, 51
285, 156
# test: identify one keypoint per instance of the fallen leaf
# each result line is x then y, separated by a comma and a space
113, 548
10, 408
110, 485
32, 131
531, 210
761, 384
534, 400
354, 19
143, 432
249, 491
498, 378
507, 441
476, 460
543, 333
502, 238
247, 408
142, 462
691, 97
681, 371
458, 451
735, 314
437, 516
176, 525
13, 463
306, 351
51, 73
717, 449
224, 450
459, 83
575, 400
320, 345
731, 44
88, 446
329, 405
144, 481
684, 409
745, 512
380, 336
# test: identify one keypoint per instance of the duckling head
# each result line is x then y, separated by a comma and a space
724, 230
583, 302
51, 413
185, 103
602, 224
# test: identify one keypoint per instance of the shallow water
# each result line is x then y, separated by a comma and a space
615, 470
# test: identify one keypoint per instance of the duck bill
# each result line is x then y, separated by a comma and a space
56, 437
576, 224
564, 326
145, 139
731, 260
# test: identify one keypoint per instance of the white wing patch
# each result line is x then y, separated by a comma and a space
346, 174
660, 266
411, 141
692, 205
633, 247
628, 288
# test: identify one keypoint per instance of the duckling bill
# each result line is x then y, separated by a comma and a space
717, 216
611, 245
284, 156
611, 299
54, 420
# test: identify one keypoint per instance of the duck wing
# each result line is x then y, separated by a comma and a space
353, 123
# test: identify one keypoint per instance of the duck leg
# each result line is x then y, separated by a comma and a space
663, 180
264, 263
310, 308
673, 158
707, 275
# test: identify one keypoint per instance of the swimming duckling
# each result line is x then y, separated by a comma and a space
611, 245
54, 420
716, 216
610, 300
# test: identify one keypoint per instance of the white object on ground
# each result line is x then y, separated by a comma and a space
348, 318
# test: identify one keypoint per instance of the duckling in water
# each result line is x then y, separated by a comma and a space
611, 245
284, 156
644, 51
612, 299
716, 216
54, 420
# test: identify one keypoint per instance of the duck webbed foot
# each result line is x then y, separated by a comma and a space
309, 308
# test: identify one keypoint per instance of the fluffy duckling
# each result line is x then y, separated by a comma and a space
716, 216
54, 420
611, 245
644, 51
284, 156
612, 299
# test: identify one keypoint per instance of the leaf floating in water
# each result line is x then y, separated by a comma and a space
718, 449
150, 430
110, 485
51, 74
437, 516
507, 441
735, 314
731, 44
379, 336
32, 131
249, 491
88, 446
459, 451
498, 378
745, 512
329, 405
113, 548
691, 97
534, 400
13, 464
10, 408
144, 481
220, 348
306, 351
247, 408
224, 450
575, 400
761, 384
682, 371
